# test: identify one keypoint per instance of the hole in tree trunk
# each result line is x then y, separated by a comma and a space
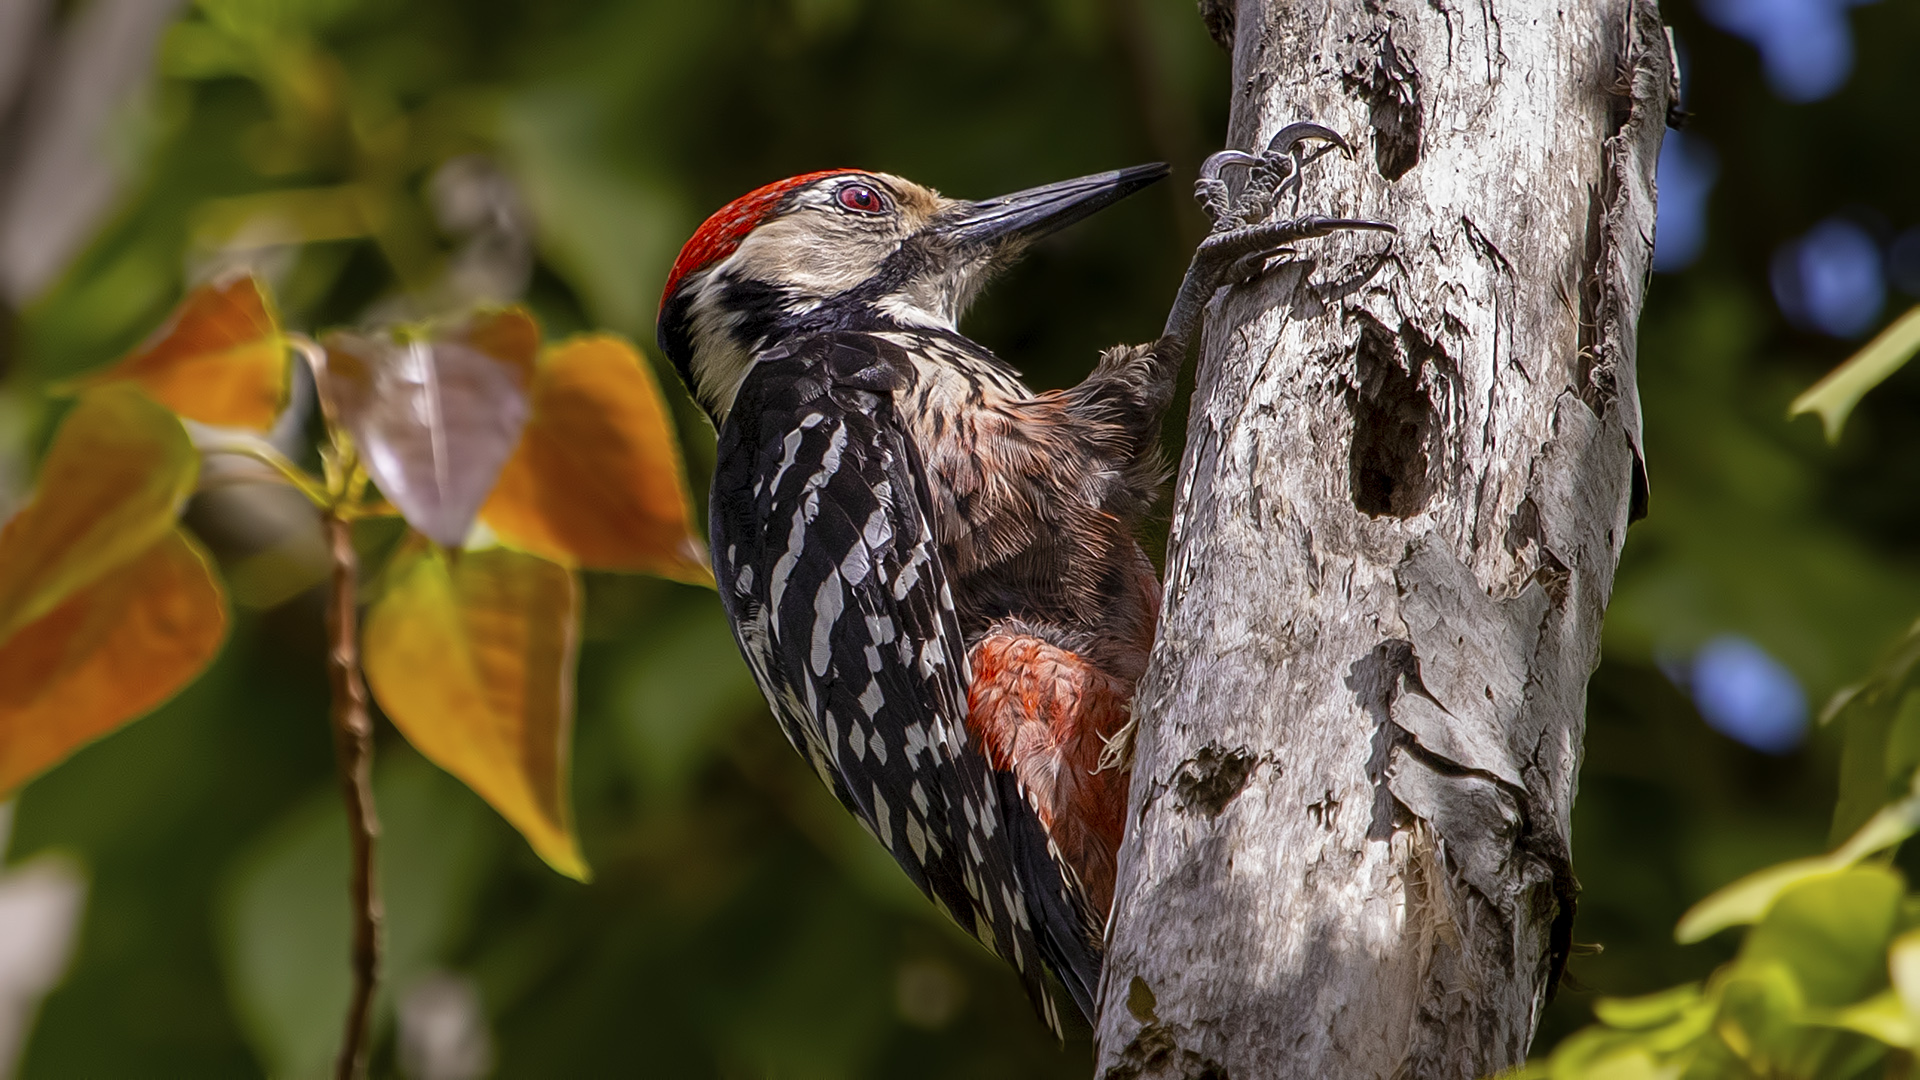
1391, 89
1392, 420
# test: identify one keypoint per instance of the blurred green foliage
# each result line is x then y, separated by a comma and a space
1826, 984
740, 924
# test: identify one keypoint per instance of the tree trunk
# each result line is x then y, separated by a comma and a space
1406, 483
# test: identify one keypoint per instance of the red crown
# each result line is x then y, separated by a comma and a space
720, 235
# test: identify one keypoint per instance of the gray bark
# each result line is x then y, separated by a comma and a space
1409, 470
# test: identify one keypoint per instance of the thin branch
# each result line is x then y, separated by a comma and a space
211, 440
353, 749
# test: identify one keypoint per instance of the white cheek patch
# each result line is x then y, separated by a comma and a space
814, 254
720, 359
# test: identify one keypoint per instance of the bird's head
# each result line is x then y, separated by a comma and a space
848, 248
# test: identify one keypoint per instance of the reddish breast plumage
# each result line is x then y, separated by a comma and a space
1047, 715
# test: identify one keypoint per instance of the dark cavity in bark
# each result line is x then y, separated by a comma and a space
1391, 88
1392, 423
1212, 778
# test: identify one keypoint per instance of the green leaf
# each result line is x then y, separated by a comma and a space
1648, 1011
1597, 1053
1832, 933
1630, 1063
1903, 969
1748, 899
1834, 396
1760, 1004
1880, 1017
1882, 734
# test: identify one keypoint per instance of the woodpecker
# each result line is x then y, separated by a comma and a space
931, 569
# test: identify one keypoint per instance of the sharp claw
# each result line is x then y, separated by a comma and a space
1210, 168
1248, 267
1292, 135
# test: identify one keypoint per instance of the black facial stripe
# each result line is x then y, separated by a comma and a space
675, 333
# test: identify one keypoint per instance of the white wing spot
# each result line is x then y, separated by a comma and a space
792, 443
910, 573
917, 839
883, 816
983, 929
917, 744
830, 461
878, 531
855, 566
827, 605
830, 731
783, 567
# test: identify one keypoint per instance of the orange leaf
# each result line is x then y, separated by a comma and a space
220, 360
434, 417
471, 655
112, 485
597, 480
107, 654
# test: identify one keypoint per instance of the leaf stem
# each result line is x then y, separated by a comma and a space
291, 473
353, 750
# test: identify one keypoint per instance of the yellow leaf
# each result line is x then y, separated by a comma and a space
220, 360
112, 485
597, 479
109, 653
1834, 396
471, 656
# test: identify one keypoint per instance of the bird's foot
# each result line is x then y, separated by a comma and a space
1241, 235
1274, 173
1243, 241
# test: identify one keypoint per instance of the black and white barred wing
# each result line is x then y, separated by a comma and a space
827, 565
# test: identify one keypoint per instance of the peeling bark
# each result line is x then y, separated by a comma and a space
1409, 471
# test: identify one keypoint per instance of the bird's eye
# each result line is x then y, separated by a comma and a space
862, 198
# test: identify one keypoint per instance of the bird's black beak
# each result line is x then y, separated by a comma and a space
1025, 216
